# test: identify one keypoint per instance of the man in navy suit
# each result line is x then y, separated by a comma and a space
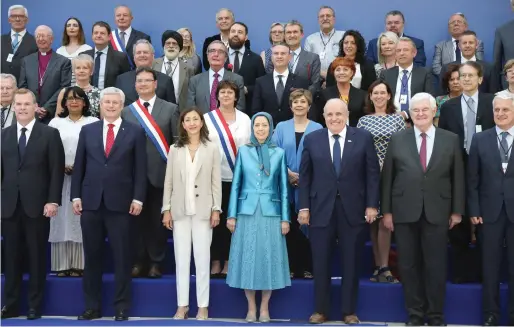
108, 186
490, 204
339, 192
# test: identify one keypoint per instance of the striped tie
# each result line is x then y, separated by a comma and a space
16, 42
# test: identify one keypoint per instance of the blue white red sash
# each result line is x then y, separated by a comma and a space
118, 45
151, 128
227, 140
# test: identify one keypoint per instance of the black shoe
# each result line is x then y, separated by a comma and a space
490, 320
90, 315
121, 315
436, 322
8, 312
415, 321
33, 314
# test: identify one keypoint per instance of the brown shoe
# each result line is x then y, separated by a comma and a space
317, 318
137, 271
351, 320
154, 271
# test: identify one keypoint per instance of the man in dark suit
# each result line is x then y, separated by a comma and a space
18, 43
271, 91
490, 205
503, 47
395, 22
422, 194
32, 178
109, 64
45, 73
245, 62
151, 238
107, 187
224, 20
144, 55
339, 193
126, 35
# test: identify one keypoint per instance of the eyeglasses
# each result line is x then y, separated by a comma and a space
16, 17
424, 110
217, 51
141, 81
71, 99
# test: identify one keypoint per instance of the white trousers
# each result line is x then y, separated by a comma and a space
197, 231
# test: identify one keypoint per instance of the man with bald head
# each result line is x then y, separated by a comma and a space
45, 73
339, 192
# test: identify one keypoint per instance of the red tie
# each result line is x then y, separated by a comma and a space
110, 140
423, 151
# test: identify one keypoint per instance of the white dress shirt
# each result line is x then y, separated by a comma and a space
151, 102
332, 141
430, 140
175, 73
399, 86
357, 78
454, 44
510, 139
190, 205
464, 60
295, 55
464, 108
221, 72
128, 31
29, 127
232, 55
103, 64
285, 74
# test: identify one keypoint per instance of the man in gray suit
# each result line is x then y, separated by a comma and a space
422, 196
8, 84
503, 47
303, 63
202, 87
45, 73
151, 237
177, 70
448, 51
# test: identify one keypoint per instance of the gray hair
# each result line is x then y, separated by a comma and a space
83, 57
40, 27
388, 35
227, 10
327, 7
11, 77
143, 41
112, 90
501, 96
338, 101
459, 14
123, 6
14, 7
218, 42
406, 39
420, 97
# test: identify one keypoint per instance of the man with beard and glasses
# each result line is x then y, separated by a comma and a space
244, 62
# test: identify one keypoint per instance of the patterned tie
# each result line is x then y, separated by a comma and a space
404, 91
291, 62
504, 147
336, 154
122, 37
22, 143
458, 57
214, 88
423, 151
280, 89
96, 73
470, 123
16, 42
168, 68
236, 62
109, 142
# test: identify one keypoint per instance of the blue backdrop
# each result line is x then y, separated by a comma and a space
424, 19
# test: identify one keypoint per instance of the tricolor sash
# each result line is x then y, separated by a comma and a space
151, 128
118, 45
227, 140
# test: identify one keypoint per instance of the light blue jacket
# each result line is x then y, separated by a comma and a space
250, 185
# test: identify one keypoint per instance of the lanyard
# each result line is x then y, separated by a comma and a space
405, 86
295, 61
505, 151
467, 104
328, 41
174, 68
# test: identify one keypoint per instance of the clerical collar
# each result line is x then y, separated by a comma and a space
45, 53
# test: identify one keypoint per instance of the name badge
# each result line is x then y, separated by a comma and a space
322, 55
403, 99
478, 128
9, 57
504, 166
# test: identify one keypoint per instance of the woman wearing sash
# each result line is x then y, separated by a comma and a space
258, 217
229, 128
289, 135
191, 206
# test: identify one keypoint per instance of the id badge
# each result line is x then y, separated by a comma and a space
403, 99
9, 57
322, 55
478, 128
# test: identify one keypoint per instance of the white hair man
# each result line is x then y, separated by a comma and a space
7, 88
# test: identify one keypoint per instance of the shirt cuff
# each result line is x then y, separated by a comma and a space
76, 199
216, 208
55, 204
166, 208
304, 209
138, 202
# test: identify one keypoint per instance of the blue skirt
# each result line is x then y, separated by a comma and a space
258, 254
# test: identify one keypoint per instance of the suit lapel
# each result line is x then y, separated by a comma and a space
198, 158
394, 78
348, 147
31, 143
270, 84
301, 62
436, 150
50, 67
182, 69
205, 82
157, 64
157, 108
449, 49
325, 149
492, 140
119, 138
14, 141
413, 148
288, 86
131, 40
245, 61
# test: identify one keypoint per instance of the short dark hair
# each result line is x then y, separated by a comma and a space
183, 138
103, 24
476, 65
370, 107
146, 69
228, 85
242, 24
81, 36
396, 13
77, 93
359, 42
445, 80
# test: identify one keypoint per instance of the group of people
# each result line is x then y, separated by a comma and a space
237, 162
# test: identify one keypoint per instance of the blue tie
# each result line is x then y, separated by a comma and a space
16, 42
404, 91
22, 143
336, 154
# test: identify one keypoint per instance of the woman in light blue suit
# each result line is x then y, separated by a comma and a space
289, 135
258, 217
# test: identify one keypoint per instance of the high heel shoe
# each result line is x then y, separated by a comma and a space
202, 316
251, 317
184, 315
264, 318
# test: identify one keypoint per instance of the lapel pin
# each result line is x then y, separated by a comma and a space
349, 141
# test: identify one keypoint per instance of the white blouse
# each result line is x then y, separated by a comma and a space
357, 78
190, 197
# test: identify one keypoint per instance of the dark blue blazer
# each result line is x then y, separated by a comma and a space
117, 179
358, 182
420, 60
488, 187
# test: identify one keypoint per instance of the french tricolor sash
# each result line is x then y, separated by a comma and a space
118, 45
227, 140
151, 128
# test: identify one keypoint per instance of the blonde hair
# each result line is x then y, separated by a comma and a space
388, 35
187, 52
85, 58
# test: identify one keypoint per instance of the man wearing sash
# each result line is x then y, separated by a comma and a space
159, 120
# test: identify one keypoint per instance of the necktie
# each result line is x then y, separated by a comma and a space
423, 151
280, 89
168, 68
16, 42
214, 101
291, 62
109, 142
504, 147
458, 57
470, 123
22, 143
336, 154
96, 73
404, 91
147, 105
122, 37
4, 118
236, 62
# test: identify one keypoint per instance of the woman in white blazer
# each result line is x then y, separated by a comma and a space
191, 206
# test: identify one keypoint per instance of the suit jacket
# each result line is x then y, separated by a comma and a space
127, 83
489, 188
444, 54
356, 103
265, 97
38, 178
116, 180
308, 66
208, 41
166, 116
369, 75
251, 68
357, 183
116, 64
185, 73
489, 82
503, 49
420, 60
27, 46
407, 190
199, 94
420, 80
249, 189
56, 77
207, 181
451, 118
135, 35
